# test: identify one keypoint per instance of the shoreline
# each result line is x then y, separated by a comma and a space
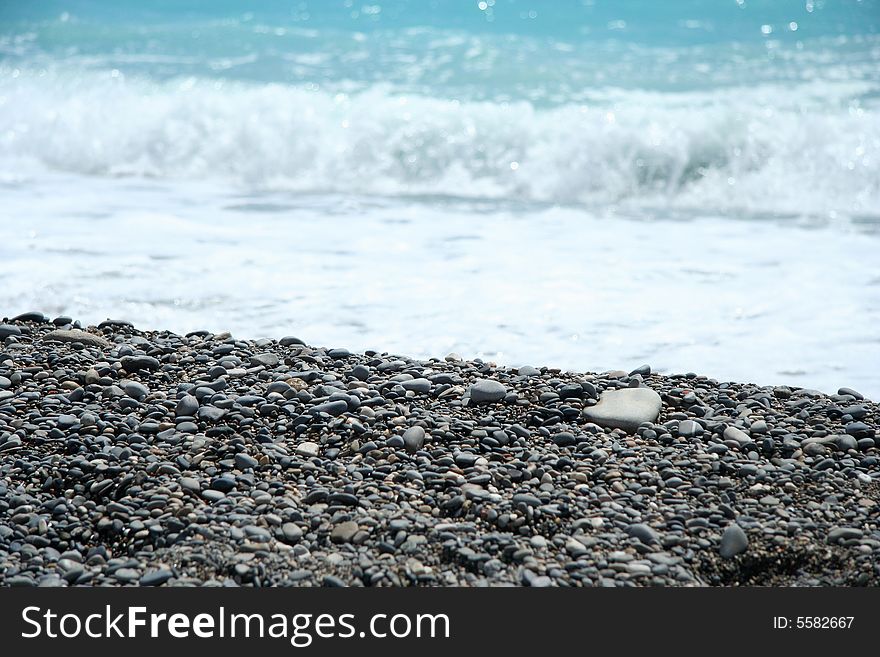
131, 457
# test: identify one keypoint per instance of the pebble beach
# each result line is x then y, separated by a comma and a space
132, 457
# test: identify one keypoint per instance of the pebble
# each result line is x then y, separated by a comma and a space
417, 385
360, 372
330, 408
245, 461
414, 439
332, 468
851, 392
844, 534
292, 532
35, 317
156, 577
307, 448
689, 429
7, 330
268, 360
138, 363
738, 435
644, 533
83, 337
134, 389
189, 483
187, 406
733, 541
344, 532
625, 409
487, 390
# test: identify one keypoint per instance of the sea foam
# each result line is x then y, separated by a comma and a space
808, 149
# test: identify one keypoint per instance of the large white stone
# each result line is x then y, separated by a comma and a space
625, 409
307, 449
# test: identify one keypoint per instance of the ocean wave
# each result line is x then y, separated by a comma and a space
810, 148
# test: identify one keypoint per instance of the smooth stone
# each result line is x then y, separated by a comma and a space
740, 436
643, 532
625, 409
343, 498
689, 429
851, 392
571, 391
187, 406
126, 574
19, 580
847, 442
188, 483
211, 413
344, 532
331, 408
487, 390
290, 340
115, 323
859, 430
7, 330
308, 449
35, 317
213, 495
526, 498
156, 577
134, 389
733, 541
528, 370
564, 439
250, 400
414, 439
844, 533
824, 464
856, 412
138, 363
245, 461
266, 360
417, 385
292, 532
866, 443
89, 339
67, 421
360, 372
223, 484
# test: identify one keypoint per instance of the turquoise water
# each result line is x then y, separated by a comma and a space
710, 172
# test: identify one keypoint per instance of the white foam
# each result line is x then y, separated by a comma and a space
805, 149
749, 301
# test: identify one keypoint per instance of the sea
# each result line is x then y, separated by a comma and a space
582, 184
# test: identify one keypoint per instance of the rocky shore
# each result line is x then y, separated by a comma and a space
148, 458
